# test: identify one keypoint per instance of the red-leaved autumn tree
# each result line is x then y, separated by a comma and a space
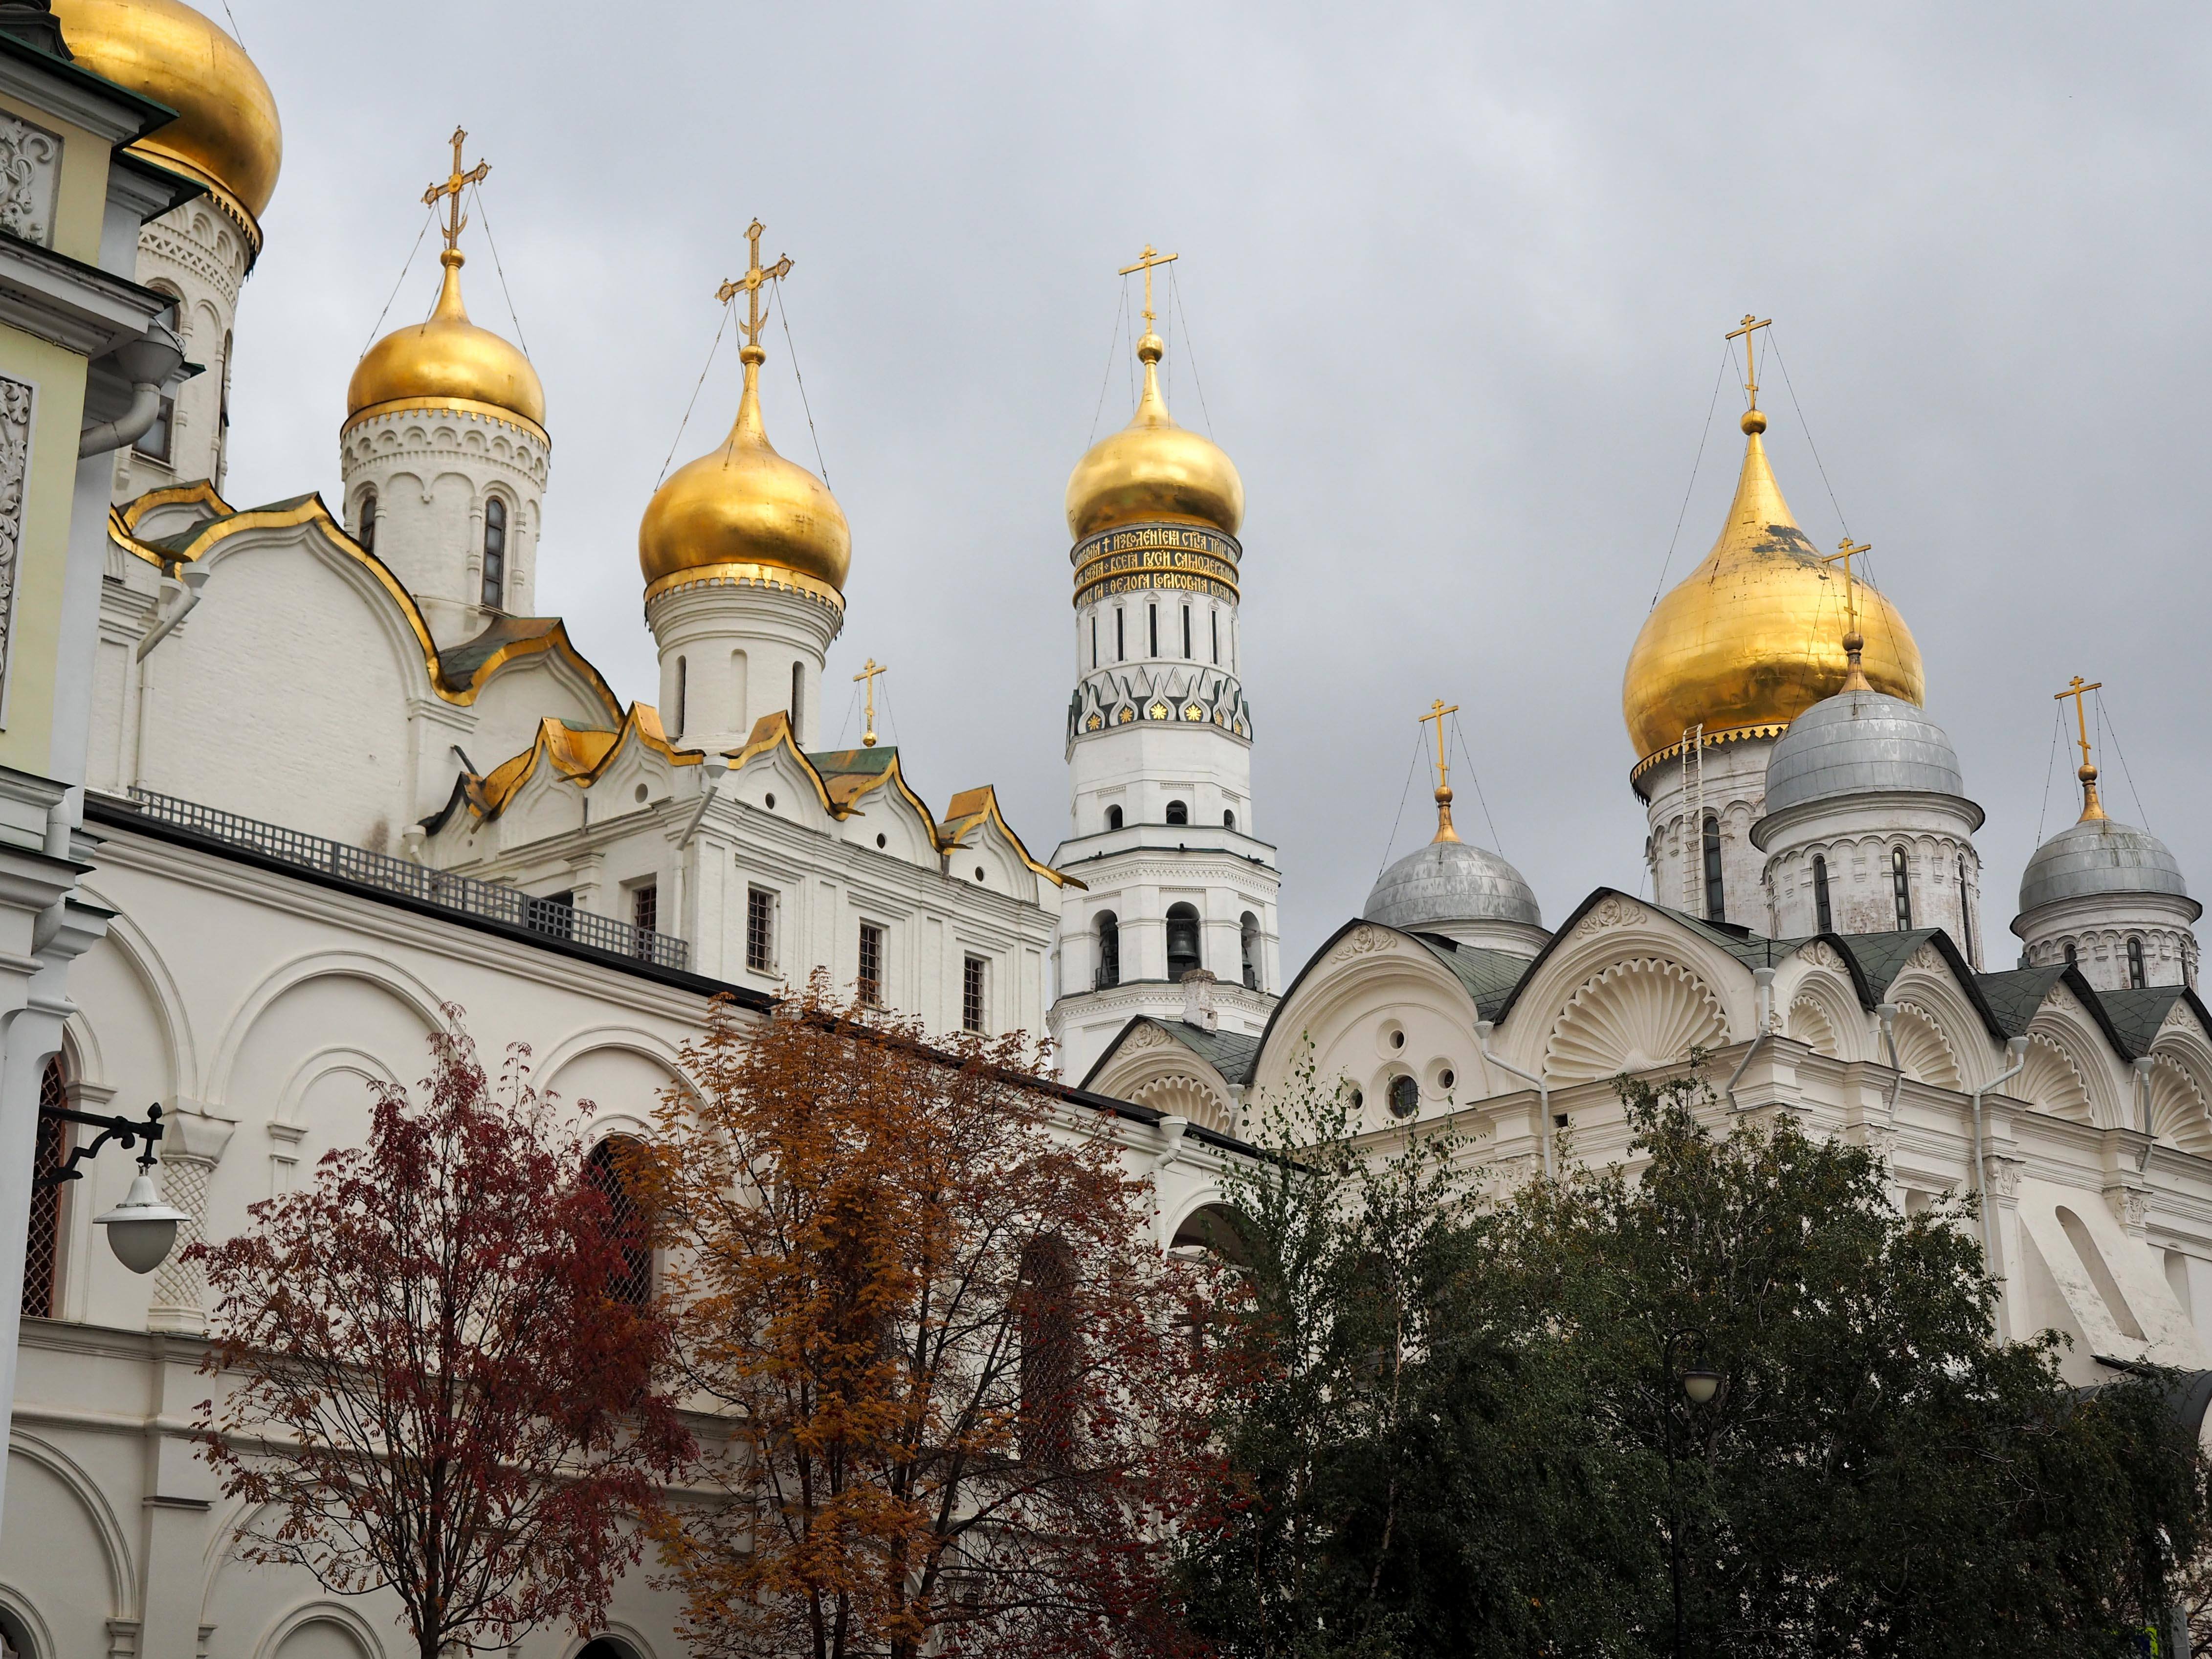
432, 1382
965, 1395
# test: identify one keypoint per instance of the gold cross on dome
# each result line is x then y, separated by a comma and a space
2078, 690
1846, 550
1145, 263
1750, 325
867, 676
749, 283
1437, 710
453, 187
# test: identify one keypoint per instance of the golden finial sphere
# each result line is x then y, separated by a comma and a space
226, 132
2088, 775
1754, 421
1151, 348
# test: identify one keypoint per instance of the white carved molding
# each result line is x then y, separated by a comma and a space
30, 180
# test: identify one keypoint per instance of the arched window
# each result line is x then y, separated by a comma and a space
1900, 887
1178, 812
2070, 953
1113, 817
43, 1251
2137, 980
608, 1647
365, 531
1967, 914
1405, 1096
1229, 820
683, 696
798, 701
1715, 901
1182, 941
495, 552
1248, 940
1109, 951
1824, 919
1046, 1318
602, 1169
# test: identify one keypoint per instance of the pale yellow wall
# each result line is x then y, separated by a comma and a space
81, 203
56, 414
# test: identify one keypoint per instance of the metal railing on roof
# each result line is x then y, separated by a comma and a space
553, 918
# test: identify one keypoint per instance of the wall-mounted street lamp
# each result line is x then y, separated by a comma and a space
142, 1229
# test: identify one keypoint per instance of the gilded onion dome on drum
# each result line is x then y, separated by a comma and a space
1153, 472
1753, 637
447, 361
742, 512
226, 134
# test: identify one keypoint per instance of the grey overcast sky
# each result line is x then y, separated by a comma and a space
1455, 278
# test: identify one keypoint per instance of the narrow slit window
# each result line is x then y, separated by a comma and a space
495, 552
2137, 978
1900, 887
1094, 641
682, 691
1186, 632
1215, 617
972, 986
1967, 916
1152, 629
799, 703
760, 929
1121, 635
1715, 901
871, 964
1824, 919
366, 534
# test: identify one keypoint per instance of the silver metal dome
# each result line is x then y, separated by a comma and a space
1859, 743
2099, 856
1447, 882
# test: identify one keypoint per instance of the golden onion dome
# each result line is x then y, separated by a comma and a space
447, 362
226, 133
1754, 635
742, 512
1152, 470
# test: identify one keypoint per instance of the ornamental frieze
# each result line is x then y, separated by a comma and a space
1179, 537
1178, 581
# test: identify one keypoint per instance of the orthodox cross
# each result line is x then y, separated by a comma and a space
867, 675
1437, 710
2090, 806
2079, 690
1846, 550
749, 283
1146, 265
453, 186
1751, 326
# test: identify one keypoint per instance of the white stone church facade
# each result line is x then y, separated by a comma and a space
340, 775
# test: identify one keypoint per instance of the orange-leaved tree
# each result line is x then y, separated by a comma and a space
436, 1384
966, 1396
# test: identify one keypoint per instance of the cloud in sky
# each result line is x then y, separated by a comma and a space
1455, 279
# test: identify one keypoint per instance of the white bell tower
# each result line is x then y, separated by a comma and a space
1163, 830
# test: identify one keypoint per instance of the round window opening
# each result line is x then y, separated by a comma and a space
771, 803
1405, 1096
979, 872
642, 792
1447, 1077
1397, 1039
1357, 1100
879, 841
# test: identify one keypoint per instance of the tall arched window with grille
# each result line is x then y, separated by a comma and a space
1109, 951
603, 1170
1248, 942
2137, 978
43, 1249
365, 521
1900, 888
1824, 917
1045, 1322
495, 552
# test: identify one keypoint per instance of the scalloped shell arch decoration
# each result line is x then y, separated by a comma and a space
1633, 1016
1923, 1051
2051, 1082
2177, 1107
1181, 1096
1809, 1023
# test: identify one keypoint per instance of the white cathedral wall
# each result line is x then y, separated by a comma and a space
1735, 791
199, 253
1857, 836
257, 1008
738, 643
433, 471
